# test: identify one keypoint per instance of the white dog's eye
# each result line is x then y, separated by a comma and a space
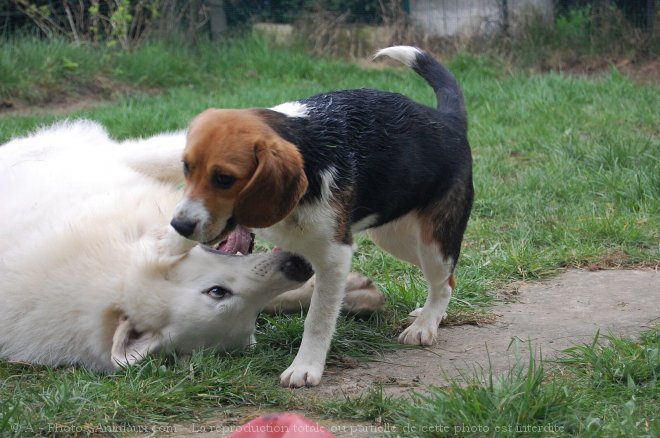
218, 292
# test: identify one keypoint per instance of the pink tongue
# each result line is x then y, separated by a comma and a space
238, 241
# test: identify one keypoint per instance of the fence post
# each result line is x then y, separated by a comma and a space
650, 26
505, 17
217, 18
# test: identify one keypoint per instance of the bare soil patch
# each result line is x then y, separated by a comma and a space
97, 93
67, 105
550, 316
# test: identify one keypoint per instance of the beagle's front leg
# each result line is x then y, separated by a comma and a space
331, 264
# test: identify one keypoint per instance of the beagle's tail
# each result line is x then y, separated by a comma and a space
447, 91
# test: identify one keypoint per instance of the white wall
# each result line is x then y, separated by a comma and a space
467, 18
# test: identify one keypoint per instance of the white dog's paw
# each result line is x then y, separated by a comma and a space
356, 281
362, 296
421, 332
299, 375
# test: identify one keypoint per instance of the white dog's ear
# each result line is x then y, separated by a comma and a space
130, 346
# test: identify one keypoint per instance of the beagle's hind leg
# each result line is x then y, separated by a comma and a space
407, 239
438, 271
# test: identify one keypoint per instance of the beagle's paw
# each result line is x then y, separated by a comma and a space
422, 331
299, 375
418, 311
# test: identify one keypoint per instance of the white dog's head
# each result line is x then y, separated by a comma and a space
196, 298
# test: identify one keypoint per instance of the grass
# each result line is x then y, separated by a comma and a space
566, 175
150, 394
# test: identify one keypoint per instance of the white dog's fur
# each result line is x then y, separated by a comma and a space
91, 273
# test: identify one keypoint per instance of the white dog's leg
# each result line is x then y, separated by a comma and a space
158, 157
361, 297
331, 267
293, 301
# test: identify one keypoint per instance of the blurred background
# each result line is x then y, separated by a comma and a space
542, 34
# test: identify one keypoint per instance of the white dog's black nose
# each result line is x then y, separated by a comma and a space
297, 268
185, 228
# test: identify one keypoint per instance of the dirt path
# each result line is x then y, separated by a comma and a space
553, 315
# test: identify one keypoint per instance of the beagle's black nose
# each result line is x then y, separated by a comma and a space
184, 228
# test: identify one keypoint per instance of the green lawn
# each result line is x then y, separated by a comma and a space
566, 175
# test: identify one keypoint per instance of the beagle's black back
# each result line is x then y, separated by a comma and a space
387, 154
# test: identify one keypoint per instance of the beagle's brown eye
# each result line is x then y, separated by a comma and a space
186, 169
222, 181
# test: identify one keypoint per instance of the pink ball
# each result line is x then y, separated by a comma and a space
281, 425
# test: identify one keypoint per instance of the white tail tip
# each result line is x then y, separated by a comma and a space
404, 54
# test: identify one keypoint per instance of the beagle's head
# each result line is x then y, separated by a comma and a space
238, 171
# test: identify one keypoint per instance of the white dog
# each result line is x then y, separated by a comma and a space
91, 273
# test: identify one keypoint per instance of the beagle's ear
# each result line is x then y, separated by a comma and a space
276, 186
130, 346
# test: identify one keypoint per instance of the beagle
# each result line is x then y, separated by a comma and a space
309, 174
